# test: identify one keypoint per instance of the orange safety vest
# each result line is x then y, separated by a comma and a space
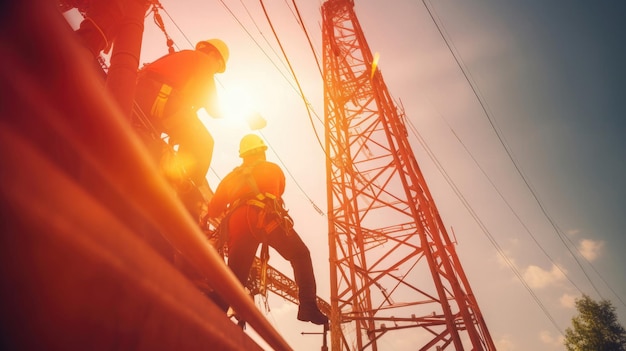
250, 198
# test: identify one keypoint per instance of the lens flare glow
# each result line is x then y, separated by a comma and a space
237, 105
374, 64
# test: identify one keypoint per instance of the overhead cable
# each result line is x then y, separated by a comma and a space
507, 149
293, 73
483, 228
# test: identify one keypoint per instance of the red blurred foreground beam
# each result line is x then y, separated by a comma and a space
76, 188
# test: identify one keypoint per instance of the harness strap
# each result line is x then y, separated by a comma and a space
158, 107
262, 201
265, 257
271, 214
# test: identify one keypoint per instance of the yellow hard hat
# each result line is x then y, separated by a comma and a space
220, 46
250, 144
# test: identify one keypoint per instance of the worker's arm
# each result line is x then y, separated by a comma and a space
212, 103
219, 202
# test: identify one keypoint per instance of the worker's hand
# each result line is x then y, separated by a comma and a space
256, 121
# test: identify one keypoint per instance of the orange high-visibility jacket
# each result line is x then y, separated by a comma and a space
235, 187
190, 73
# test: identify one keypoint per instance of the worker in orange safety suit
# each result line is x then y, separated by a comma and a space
172, 89
249, 198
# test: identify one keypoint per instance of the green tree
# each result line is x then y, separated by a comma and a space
595, 328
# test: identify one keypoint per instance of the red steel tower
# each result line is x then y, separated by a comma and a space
392, 264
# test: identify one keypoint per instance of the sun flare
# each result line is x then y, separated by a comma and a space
237, 105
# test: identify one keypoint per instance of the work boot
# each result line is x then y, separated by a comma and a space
310, 313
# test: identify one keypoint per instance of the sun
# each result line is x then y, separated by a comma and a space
237, 105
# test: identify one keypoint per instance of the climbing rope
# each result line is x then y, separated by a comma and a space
158, 20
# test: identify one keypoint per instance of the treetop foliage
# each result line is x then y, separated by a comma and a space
595, 328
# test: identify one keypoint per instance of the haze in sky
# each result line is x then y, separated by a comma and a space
522, 104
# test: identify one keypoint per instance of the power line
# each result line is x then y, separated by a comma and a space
598, 273
507, 149
510, 207
301, 93
482, 226
317, 209
266, 41
293, 73
306, 33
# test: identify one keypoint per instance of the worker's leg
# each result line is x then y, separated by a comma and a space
291, 247
100, 25
195, 143
241, 250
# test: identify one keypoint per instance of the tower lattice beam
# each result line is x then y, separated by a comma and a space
392, 264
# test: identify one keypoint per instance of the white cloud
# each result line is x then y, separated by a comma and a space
590, 249
547, 338
504, 343
536, 277
573, 232
503, 261
568, 300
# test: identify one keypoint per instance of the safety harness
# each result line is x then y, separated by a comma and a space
165, 91
271, 215
163, 151
158, 107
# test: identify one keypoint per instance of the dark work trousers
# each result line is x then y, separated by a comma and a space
102, 22
242, 249
182, 125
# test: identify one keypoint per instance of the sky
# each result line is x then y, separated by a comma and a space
522, 105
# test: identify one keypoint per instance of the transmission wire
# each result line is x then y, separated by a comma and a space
265, 40
293, 73
508, 204
483, 228
506, 147
306, 33
316, 208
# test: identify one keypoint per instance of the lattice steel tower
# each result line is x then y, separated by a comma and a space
392, 264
